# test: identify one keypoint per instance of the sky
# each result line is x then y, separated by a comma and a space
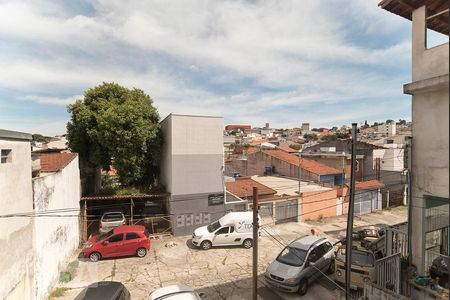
284, 62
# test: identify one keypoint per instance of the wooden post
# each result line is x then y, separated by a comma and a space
131, 210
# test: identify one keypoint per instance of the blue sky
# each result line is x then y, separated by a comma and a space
284, 62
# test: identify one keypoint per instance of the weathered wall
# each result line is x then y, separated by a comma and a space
320, 204
55, 238
16, 255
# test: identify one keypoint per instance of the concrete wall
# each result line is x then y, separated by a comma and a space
56, 238
318, 205
430, 123
192, 169
427, 63
16, 249
391, 159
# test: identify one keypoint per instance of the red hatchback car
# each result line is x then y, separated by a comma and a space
120, 241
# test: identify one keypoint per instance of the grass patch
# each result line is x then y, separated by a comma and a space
113, 270
387, 208
69, 273
58, 292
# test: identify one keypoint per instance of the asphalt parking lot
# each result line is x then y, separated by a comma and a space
221, 273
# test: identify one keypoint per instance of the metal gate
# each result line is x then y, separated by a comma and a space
286, 211
388, 272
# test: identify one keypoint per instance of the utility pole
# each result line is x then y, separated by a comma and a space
255, 243
348, 247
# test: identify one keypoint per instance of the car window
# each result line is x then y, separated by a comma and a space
104, 235
223, 230
292, 256
327, 247
116, 238
132, 236
111, 217
231, 229
313, 255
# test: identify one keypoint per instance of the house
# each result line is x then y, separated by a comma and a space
287, 149
243, 188
387, 129
268, 162
237, 127
429, 172
34, 250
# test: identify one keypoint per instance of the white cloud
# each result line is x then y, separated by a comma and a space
244, 56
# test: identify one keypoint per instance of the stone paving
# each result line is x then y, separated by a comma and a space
221, 273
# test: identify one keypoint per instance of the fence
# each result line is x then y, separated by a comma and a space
388, 272
372, 291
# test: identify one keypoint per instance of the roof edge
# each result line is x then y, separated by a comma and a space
15, 135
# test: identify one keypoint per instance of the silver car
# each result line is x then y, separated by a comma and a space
111, 220
300, 263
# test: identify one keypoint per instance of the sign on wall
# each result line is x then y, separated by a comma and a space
215, 199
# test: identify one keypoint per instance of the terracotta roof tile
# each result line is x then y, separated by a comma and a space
243, 187
287, 149
251, 150
368, 185
306, 164
53, 162
257, 143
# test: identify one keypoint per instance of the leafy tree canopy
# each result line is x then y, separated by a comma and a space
295, 146
311, 137
117, 124
40, 138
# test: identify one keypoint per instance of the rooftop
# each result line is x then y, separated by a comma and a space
437, 11
54, 162
243, 187
367, 185
287, 186
306, 164
14, 135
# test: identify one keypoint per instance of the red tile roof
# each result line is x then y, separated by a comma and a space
54, 162
243, 187
287, 149
250, 150
306, 164
368, 185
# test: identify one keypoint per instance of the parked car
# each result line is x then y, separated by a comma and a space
176, 292
104, 290
120, 241
300, 263
110, 220
362, 269
235, 228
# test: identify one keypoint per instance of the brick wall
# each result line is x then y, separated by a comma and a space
320, 204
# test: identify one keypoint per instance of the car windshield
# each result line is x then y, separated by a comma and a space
360, 258
292, 256
370, 233
104, 235
110, 217
214, 226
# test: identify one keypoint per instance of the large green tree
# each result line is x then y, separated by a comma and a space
113, 123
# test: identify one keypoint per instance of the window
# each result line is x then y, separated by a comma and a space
327, 247
6, 156
231, 229
314, 255
292, 256
132, 236
116, 238
223, 230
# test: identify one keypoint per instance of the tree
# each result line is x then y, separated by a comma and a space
117, 124
342, 135
311, 137
329, 137
295, 146
36, 137
401, 122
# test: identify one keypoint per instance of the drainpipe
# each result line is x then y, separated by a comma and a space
409, 143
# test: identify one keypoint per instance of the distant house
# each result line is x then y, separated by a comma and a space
268, 162
243, 188
287, 149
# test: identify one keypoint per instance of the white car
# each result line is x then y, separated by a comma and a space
111, 220
176, 292
235, 228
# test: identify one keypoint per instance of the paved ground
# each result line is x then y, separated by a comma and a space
221, 273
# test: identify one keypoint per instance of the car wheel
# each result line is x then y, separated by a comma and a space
94, 256
206, 245
303, 287
141, 252
331, 268
248, 243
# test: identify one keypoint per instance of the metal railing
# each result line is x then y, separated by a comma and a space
388, 272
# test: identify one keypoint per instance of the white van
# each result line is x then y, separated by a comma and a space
235, 228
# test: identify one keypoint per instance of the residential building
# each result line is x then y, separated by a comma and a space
35, 250
429, 218
237, 127
305, 127
16, 242
269, 162
192, 170
387, 129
